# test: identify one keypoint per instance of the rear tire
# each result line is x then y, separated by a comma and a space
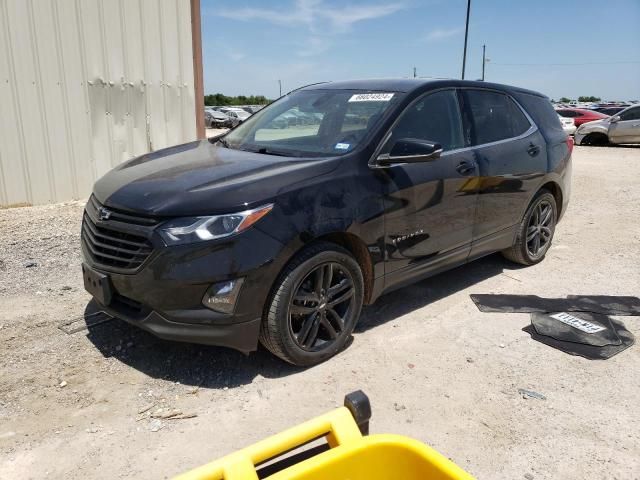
535, 232
314, 306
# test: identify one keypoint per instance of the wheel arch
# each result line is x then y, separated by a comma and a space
350, 242
596, 138
356, 246
556, 191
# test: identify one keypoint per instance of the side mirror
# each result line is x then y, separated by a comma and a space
614, 119
410, 150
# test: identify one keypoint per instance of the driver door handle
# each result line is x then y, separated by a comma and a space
465, 168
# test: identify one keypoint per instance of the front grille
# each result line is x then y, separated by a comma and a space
119, 244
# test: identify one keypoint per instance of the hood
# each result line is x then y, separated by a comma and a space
199, 178
601, 123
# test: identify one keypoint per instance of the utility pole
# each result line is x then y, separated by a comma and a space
414, 72
280, 85
466, 35
484, 59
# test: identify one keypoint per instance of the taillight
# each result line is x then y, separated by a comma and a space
570, 143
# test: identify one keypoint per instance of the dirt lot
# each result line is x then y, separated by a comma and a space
435, 367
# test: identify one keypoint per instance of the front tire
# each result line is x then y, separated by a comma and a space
314, 307
535, 232
595, 139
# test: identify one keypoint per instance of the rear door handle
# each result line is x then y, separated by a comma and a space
465, 168
533, 150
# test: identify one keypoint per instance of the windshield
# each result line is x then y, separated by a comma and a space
312, 123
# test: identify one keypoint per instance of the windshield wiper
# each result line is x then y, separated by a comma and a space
224, 143
266, 151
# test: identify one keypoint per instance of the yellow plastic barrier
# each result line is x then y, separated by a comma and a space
351, 456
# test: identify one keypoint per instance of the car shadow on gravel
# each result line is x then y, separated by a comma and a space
190, 364
213, 367
400, 302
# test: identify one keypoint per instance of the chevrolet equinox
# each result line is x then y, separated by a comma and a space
281, 229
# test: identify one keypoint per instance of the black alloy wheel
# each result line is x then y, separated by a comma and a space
319, 309
535, 232
540, 229
314, 306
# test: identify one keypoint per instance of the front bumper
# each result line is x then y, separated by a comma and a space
239, 336
164, 296
578, 136
221, 124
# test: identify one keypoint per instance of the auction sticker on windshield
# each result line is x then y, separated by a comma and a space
578, 323
371, 97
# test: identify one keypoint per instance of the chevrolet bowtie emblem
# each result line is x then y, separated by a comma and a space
104, 214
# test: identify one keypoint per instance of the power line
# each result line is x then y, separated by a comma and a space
563, 64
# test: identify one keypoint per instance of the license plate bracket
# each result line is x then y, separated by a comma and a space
97, 284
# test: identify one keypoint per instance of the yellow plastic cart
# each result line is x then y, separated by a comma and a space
349, 453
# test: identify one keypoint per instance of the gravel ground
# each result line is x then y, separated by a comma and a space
435, 368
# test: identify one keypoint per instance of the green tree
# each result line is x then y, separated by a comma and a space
589, 99
564, 100
219, 99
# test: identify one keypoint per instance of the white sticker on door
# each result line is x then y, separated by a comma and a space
578, 323
371, 97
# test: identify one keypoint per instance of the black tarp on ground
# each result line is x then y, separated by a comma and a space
603, 304
600, 345
600, 338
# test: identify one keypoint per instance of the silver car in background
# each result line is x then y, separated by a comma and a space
216, 119
237, 115
623, 127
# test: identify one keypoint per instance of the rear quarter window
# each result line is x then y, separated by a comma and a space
546, 118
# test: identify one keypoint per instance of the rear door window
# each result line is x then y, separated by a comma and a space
434, 117
495, 116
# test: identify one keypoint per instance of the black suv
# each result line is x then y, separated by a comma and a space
280, 230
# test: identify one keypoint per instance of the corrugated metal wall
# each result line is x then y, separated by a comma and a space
85, 85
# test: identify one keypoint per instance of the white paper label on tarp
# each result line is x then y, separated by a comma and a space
578, 323
371, 97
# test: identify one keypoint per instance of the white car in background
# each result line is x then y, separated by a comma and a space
567, 125
624, 127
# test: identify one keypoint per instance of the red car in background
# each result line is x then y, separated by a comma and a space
580, 115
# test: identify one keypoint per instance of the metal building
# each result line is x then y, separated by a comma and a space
88, 84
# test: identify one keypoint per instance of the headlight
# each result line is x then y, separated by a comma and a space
198, 229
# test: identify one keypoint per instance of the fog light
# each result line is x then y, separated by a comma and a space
221, 297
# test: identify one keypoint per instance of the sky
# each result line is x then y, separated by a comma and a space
248, 45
